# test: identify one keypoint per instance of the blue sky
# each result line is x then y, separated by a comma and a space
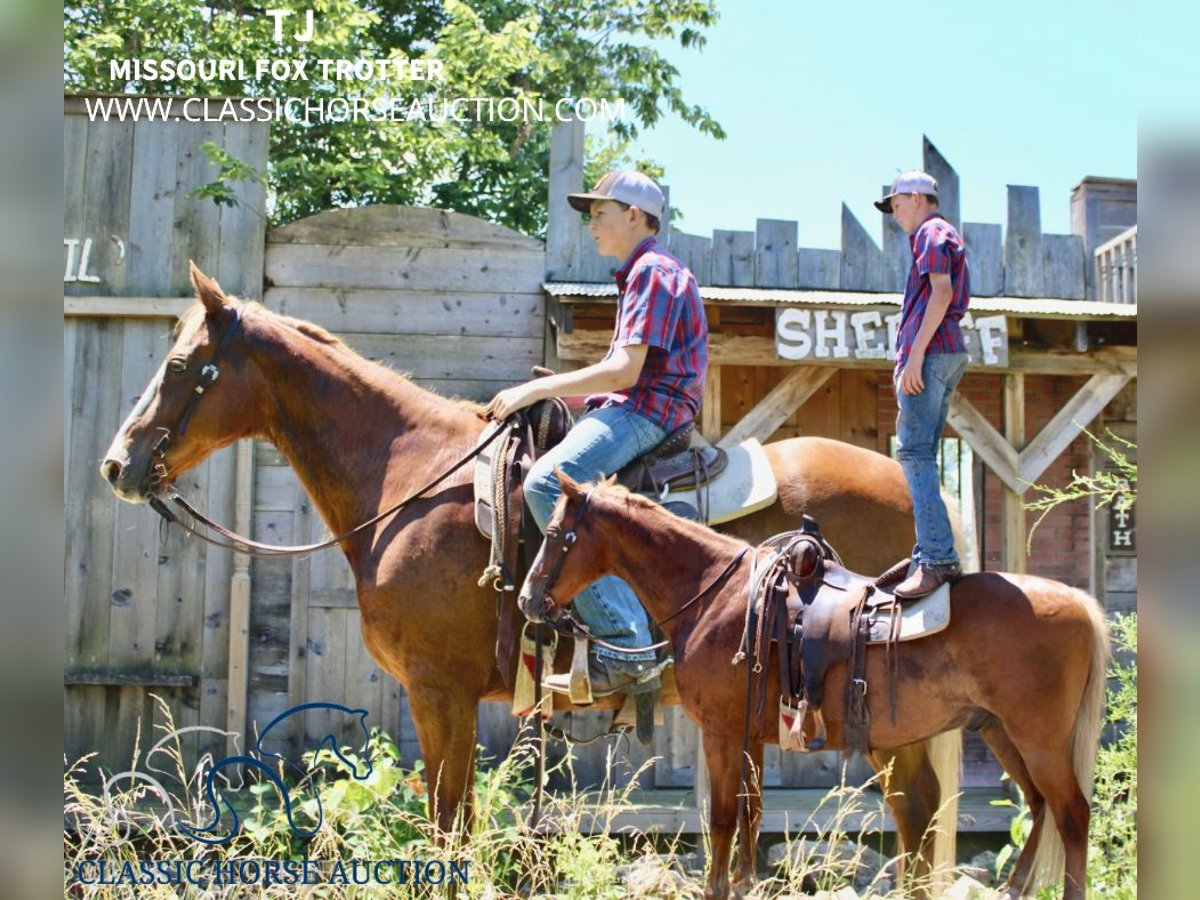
821, 106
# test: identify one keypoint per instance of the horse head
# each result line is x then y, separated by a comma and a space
196, 403
572, 555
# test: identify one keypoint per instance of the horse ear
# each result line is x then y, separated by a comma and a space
569, 485
610, 480
207, 290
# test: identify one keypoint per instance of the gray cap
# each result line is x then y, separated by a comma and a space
912, 182
629, 187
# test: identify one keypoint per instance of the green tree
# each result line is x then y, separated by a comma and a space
489, 48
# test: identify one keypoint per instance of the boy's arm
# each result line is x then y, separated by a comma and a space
616, 372
940, 296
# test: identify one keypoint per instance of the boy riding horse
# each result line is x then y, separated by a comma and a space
649, 384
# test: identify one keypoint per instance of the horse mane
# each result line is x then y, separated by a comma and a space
315, 332
698, 531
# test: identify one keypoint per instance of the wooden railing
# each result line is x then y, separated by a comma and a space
1116, 268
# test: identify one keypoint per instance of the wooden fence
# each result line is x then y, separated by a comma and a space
144, 615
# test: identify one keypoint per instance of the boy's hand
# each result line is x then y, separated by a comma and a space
911, 381
509, 400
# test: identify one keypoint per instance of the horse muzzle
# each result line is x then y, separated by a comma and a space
535, 608
123, 477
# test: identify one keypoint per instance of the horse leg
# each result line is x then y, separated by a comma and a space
446, 731
723, 753
1009, 757
747, 867
1053, 772
913, 794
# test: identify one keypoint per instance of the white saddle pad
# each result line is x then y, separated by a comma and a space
746, 485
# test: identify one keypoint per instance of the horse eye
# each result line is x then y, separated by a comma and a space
177, 365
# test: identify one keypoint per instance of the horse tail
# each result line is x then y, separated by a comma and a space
945, 756
1050, 859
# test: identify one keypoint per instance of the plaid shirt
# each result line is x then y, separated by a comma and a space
659, 305
936, 247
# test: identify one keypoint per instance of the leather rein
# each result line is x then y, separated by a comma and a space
565, 623
165, 492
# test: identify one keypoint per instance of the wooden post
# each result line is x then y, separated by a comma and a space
239, 600
710, 411
563, 228
1011, 510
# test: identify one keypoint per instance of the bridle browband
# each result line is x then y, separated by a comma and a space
165, 492
565, 623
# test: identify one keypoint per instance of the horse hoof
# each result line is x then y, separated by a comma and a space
816, 744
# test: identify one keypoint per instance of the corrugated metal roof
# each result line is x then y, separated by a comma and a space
1033, 307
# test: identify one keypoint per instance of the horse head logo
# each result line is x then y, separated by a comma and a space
335, 723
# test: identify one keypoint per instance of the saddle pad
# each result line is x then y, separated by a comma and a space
920, 618
483, 478
747, 485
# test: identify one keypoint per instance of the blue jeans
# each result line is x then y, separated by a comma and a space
919, 426
602, 441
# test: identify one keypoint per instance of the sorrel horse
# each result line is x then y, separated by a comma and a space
1023, 659
360, 437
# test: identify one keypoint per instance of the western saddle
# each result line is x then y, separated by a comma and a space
818, 614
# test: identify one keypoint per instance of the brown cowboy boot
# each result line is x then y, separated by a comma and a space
926, 579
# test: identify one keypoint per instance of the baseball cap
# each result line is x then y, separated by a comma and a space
912, 182
629, 187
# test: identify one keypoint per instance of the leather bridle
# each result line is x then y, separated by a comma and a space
563, 621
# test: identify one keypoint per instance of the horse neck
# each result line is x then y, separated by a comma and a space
343, 422
670, 559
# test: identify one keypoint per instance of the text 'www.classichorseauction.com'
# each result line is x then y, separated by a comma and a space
312, 110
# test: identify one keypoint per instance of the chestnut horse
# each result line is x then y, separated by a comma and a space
361, 437
1023, 659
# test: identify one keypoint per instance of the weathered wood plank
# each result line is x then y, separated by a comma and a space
985, 258
1065, 263
564, 231
413, 312
947, 181
1023, 262
243, 227
197, 224
452, 357
94, 408
126, 307
862, 260
695, 252
897, 254
308, 525
326, 666
75, 136
819, 269
733, 258
413, 268
108, 182
393, 225
985, 440
776, 263
780, 402
135, 554
860, 408
1075, 415
152, 206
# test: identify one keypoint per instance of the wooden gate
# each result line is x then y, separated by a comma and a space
145, 613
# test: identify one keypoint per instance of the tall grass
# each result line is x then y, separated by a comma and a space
581, 850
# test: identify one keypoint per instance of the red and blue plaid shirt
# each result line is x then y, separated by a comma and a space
937, 248
659, 305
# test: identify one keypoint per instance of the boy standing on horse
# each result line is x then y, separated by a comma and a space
931, 357
649, 384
